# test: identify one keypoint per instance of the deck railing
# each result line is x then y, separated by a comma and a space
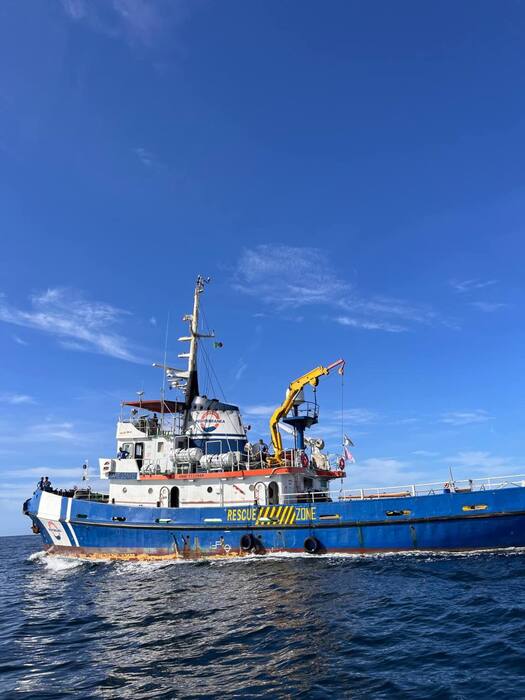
423, 489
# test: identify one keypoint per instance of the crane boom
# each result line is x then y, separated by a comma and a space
312, 378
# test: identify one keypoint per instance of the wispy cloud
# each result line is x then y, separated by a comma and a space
259, 410
138, 21
19, 341
488, 307
79, 324
358, 416
425, 453
470, 285
241, 369
458, 418
370, 325
16, 399
147, 158
485, 462
50, 431
288, 277
382, 471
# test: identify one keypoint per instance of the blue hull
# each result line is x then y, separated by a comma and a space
456, 521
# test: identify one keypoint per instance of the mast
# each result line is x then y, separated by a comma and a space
191, 389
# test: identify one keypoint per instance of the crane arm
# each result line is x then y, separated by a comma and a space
294, 388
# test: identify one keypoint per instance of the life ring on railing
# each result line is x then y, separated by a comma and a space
304, 459
342, 463
312, 545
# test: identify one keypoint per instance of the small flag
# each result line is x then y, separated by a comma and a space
347, 441
349, 457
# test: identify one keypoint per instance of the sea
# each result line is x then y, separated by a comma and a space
374, 626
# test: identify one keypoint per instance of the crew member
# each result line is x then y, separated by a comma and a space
122, 453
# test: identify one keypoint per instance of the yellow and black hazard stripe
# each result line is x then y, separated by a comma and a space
276, 515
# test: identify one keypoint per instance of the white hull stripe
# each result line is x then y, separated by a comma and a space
68, 521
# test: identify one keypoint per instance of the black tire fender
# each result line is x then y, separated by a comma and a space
312, 545
248, 542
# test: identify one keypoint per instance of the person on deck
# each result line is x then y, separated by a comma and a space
46, 486
122, 453
154, 424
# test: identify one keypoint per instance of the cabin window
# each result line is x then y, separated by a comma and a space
273, 493
160, 446
174, 497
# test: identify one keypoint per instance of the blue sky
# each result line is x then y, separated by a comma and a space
350, 175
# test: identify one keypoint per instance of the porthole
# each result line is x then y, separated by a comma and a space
124, 490
251, 487
209, 489
150, 490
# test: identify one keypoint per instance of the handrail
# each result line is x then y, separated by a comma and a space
432, 488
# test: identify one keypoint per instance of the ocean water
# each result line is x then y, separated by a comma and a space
386, 626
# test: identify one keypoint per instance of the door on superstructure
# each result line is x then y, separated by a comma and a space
273, 493
139, 454
174, 497
259, 494
164, 497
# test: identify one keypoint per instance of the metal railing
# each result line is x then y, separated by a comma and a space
423, 489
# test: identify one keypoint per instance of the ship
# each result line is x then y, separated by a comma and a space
187, 482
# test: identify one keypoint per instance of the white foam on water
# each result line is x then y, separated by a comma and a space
36, 556
57, 563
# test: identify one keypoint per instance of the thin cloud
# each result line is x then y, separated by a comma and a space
137, 21
16, 399
458, 418
484, 462
289, 277
259, 410
79, 324
19, 340
147, 158
470, 285
382, 471
354, 416
240, 371
370, 325
488, 307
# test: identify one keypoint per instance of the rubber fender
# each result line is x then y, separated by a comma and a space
312, 545
248, 542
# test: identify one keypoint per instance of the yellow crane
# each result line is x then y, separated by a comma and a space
295, 387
